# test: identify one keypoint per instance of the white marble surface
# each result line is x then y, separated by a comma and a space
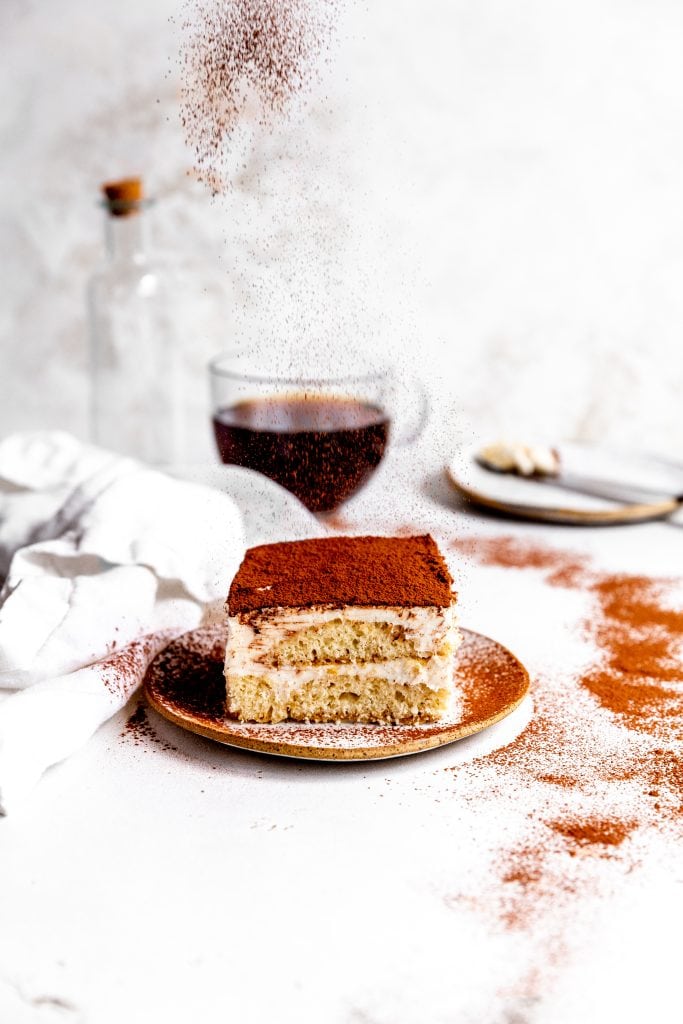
142, 883
500, 187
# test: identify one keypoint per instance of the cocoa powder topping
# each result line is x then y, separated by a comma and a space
361, 571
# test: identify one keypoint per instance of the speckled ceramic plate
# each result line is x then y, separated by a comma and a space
185, 684
533, 499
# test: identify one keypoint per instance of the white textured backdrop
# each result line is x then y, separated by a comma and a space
499, 185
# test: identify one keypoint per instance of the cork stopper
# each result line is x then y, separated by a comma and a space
123, 197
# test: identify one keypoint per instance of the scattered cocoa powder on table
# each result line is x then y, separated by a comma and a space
608, 739
139, 731
638, 634
594, 832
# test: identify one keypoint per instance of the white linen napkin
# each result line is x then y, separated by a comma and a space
105, 560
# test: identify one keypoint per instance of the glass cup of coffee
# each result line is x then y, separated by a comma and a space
321, 438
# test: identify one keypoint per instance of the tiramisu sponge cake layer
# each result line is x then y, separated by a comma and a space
357, 629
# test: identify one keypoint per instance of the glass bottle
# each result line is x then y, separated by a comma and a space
135, 373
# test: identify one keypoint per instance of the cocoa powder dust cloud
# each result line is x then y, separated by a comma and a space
278, 132
245, 62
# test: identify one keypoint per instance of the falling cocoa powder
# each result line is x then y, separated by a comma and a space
245, 61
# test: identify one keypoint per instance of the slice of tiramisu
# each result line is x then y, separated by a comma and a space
354, 629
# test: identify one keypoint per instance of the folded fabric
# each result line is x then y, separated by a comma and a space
46, 722
98, 551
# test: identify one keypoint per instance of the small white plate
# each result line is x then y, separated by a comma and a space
534, 499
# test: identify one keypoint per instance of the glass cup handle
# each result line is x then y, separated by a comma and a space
409, 434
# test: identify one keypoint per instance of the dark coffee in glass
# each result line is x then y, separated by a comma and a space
320, 437
321, 447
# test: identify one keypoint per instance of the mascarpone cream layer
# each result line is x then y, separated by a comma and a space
435, 673
253, 635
